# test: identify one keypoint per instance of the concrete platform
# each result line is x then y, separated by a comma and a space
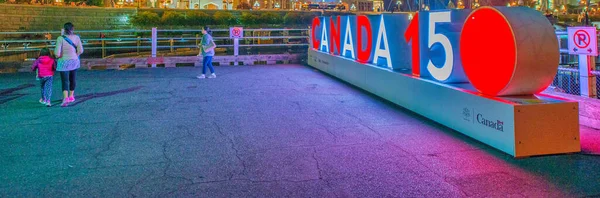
255, 131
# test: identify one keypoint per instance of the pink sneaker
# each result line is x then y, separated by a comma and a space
65, 102
71, 99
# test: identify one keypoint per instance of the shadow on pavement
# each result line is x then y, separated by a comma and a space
86, 97
7, 95
575, 174
590, 141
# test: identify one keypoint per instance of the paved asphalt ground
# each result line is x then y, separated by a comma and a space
255, 131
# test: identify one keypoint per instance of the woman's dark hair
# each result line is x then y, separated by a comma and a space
207, 29
68, 28
45, 52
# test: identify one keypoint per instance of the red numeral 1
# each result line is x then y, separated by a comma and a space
412, 33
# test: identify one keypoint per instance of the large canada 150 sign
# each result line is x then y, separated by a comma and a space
426, 62
500, 51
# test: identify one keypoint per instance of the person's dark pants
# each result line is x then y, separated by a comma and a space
68, 80
46, 84
207, 62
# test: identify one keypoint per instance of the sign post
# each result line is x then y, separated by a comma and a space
236, 33
154, 43
583, 41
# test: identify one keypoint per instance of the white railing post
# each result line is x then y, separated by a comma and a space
587, 81
154, 43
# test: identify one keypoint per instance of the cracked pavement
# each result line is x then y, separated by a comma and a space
255, 131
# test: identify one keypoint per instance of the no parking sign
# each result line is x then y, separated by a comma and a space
236, 32
583, 41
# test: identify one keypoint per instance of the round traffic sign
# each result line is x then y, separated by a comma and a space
236, 32
581, 36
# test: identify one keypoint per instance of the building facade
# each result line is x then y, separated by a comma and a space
271, 4
210, 4
350, 5
365, 5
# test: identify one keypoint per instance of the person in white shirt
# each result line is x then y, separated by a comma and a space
68, 48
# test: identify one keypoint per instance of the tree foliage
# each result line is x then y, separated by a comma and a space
145, 19
198, 18
224, 18
248, 18
172, 18
270, 18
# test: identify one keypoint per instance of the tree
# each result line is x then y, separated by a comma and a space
198, 18
248, 18
270, 18
145, 19
243, 6
173, 18
224, 18
292, 18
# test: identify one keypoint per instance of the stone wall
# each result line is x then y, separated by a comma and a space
51, 18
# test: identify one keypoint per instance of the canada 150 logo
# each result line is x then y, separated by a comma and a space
466, 114
450, 46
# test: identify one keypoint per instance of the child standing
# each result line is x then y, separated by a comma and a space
45, 66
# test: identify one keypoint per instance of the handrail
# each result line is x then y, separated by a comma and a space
568, 69
159, 30
130, 40
148, 39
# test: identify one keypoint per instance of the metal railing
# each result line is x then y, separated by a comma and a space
567, 80
135, 43
18, 46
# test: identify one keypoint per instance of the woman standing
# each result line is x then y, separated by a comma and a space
207, 48
68, 48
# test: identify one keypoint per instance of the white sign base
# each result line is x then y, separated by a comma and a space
519, 126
